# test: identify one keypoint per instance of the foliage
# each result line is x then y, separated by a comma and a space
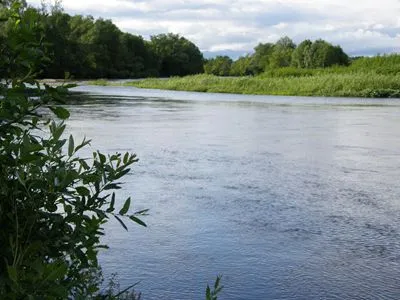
260, 60
242, 66
113, 291
319, 84
177, 55
53, 203
88, 48
281, 55
213, 294
220, 66
381, 64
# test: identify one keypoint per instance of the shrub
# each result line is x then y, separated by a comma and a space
53, 203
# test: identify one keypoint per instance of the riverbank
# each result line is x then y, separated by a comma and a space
366, 85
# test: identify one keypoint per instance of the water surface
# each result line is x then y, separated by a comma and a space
286, 197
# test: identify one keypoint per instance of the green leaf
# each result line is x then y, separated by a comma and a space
137, 220
58, 131
126, 157
12, 273
83, 191
122, 223
58, 272
84, 164
125, 208
142, 212
208, 293
71, 146
112, 186
102, 158
121, 174
111, 207
83, 144
60, 112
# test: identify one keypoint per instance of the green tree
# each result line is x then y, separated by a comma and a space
302, 57
260, 60
220, 66
177, 55
59, 47
325, 55
106, 45
242, 66
282, 53
136, 57
81, 59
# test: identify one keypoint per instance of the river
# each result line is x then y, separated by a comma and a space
286, 197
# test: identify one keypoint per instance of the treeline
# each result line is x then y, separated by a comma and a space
282, 54
84, 47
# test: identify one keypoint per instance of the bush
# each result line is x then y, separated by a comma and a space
53, 203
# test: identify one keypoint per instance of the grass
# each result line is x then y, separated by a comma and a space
377, 77
339, 85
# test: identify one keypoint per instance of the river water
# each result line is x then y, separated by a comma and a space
286, 197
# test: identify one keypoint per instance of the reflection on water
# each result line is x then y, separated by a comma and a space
288, 198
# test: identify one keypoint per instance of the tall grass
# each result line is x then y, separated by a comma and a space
329, 84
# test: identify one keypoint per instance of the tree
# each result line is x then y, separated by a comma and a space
282, 54
220, 66
242, 66
325, 55
136, 57
177, 55
301, 56
57, 32
261, 57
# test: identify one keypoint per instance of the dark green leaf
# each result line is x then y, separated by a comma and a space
60, 112
126, 157
137, 220
71, 146
12, 273
59, 129
122, 223
121, 174
83, 144
141, 212
102, 158
126, 206
83, 191
112, 203
57, 272
84, 164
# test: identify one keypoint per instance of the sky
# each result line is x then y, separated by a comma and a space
235, 27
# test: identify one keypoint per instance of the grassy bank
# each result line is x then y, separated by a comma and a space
377, 77
322, 84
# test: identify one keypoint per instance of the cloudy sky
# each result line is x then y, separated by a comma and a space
234, 27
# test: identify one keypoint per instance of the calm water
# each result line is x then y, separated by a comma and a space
287, 198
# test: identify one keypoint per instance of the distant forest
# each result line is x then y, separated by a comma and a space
82, 47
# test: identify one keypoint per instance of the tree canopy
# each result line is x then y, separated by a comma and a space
176, 55
83, 47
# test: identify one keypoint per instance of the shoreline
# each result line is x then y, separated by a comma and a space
357, 85
328, 85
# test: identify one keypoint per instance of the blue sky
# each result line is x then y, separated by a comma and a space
234, 27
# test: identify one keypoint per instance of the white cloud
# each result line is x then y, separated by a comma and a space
360, 27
